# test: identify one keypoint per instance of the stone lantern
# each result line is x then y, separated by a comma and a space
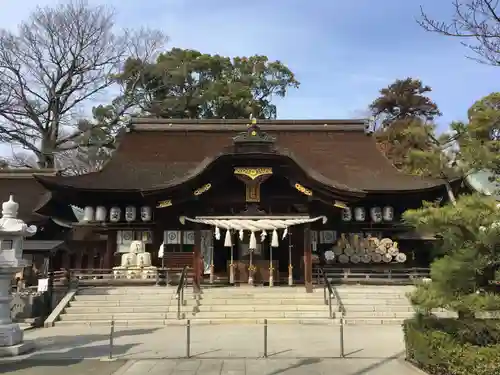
12, 233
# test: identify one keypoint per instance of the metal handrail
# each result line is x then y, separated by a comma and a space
180, 291
340, 304
328, 288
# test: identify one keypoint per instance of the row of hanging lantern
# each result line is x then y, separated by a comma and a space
115, 214
252, 245
377, 214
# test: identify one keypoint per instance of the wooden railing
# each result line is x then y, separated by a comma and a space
371, 275
103, 277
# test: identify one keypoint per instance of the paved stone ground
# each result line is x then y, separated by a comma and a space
59, 367
214, 350
310, 366
217, 341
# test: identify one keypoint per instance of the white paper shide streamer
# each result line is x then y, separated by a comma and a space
253, 225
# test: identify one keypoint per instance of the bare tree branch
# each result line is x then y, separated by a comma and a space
477, 23
61, 61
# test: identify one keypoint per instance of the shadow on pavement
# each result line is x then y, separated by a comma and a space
59, 367
378, 364
74, 348
301, 363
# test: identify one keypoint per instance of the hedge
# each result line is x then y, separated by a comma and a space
453, 347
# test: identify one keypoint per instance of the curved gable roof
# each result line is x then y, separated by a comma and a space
162, 152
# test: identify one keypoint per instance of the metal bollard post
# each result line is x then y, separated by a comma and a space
188, 338
342, 351
111, 338
265, 338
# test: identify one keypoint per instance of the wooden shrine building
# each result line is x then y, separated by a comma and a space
249, 201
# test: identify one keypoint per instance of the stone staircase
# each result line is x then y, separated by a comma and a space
157, 306
375, 304
385, 304
252, 304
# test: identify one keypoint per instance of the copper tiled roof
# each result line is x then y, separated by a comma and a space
160, 152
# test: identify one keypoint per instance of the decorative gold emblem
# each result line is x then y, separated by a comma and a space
253, 178
340, 204
163, 204
203, 189
303, 190
253, 173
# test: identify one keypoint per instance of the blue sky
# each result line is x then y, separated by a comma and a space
342, 52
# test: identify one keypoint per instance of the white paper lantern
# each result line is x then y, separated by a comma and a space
130, 213
359, 214
88, 213
146, 213
388, 213
100, 213
114, 214
376, 214
346, 214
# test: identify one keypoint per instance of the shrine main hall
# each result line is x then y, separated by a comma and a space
243, 201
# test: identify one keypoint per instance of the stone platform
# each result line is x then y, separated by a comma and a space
24, 347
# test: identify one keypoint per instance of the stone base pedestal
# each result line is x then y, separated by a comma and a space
11, 341
15, 350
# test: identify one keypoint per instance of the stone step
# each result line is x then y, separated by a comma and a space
379, 315
83, 309
265, 295
262, 301
373, 296
267, 307
195, 315
388, 308
259, 323
373, 321
120, 291
191, 302
261, 314
124, 309
167, 296
129, 303
118, 316
375, 302
381, 288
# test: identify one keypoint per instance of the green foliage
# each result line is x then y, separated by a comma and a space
480, 136
403, 99
185, 83
408, 144
405, 133
453, 347
470, 247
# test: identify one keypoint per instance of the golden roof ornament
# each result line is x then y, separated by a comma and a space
254, 136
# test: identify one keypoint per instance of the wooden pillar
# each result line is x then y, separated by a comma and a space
79, 259
66, 259
91, 253
109, 255
197, 256
307, 259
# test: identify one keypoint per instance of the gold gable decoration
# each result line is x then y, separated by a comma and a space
252, 177
303, 190
253, 173
164, 204
202, 189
